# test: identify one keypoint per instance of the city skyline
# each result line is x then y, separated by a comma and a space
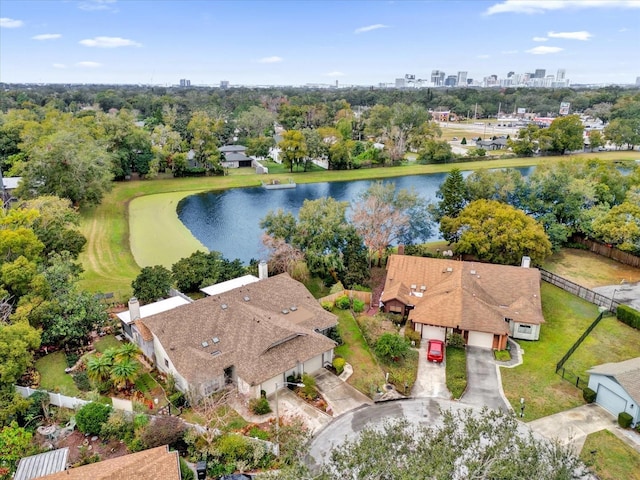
314, 42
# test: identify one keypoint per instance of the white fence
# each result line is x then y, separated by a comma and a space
56, 399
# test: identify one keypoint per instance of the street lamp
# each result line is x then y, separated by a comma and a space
612, 297
278, 385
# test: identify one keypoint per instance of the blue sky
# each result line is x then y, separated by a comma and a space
300, 42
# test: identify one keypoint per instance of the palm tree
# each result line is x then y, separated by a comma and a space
124, 372
99, 368
126, 351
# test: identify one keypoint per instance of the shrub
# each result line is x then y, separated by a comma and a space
256, 432
360, 288
455, 340
117, 427
163, 431
71, 358
624, 419
91, 417
81, 380
309, 389
343, 302
629, 316
328, 306
391, 347
338, 364
358, 305
177, 399
185, 472
260, 406
463, 141
413, 336
336, 288
39, 405
589, 395
334, 335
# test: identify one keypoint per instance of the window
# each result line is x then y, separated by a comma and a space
166, 363
524, 328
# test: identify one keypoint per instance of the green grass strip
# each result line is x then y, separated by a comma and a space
456, 369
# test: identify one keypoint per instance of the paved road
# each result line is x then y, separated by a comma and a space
483, 387
431, 380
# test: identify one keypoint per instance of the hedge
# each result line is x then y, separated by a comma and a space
589, 395
624, 419
629, 316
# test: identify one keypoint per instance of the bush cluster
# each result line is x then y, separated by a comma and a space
455, 340
624, 419
358, 305
81, 379
413, 336
328, 306
343, 302
589, 395
91, 417
629, 316
259, 406
338, 364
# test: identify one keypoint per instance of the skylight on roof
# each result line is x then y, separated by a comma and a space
205, 344
246, 298
216, 340
224, 306
293, 308
285, 311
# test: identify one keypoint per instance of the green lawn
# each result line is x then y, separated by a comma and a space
107, 259
567, 316
107, 342
367, 376
612, 459
52, 375
456, 370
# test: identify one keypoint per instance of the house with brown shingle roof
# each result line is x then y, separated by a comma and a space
152, 464
253, 336
617, 386
485, 303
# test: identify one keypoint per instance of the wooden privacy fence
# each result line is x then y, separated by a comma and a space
608, 251
362, 296
580, 291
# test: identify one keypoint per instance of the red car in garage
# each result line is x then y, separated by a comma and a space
435, 351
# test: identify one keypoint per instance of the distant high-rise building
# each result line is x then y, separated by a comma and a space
401, 83
437, 78
560, 76
185, 82
462, 79
637, 81
540, 73
451, 81
224, 84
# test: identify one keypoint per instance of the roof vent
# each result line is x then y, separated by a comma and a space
423, 287
449, 269
205, 344
216, 340
246, 299
215, 353
472, 272
413, 286
224, 306
293, 308
285, 311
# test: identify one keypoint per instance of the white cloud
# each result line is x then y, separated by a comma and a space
370, 28
581, 35
10, 23
88, 64
335, 74
93, 5
274, 59
59, 65
509, 52
539, 39
537, 6
483, 56
544, 50
46, 36
109, 42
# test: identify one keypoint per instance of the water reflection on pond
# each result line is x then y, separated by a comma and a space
228, 221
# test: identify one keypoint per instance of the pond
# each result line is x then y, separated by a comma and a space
229, 221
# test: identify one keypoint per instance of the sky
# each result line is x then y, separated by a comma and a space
300, 42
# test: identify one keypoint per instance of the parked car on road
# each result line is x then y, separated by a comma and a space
435, 351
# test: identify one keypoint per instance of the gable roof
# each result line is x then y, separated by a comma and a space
262, 329
626, 373
235, 157
153, 464
467, 295
232, 148
45, 463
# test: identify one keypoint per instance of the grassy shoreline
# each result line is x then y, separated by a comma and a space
109, 263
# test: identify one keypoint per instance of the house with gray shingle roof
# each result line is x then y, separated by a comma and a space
485, 303
618, 387
254, 336
234, 156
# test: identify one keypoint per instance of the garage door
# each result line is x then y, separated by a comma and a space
435, 333
610, 401
480, 339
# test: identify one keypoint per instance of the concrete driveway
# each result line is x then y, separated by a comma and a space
483, 386
431, 380
340, 396
573, 426
291, 405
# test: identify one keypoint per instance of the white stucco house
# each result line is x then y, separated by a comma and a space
618, 387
